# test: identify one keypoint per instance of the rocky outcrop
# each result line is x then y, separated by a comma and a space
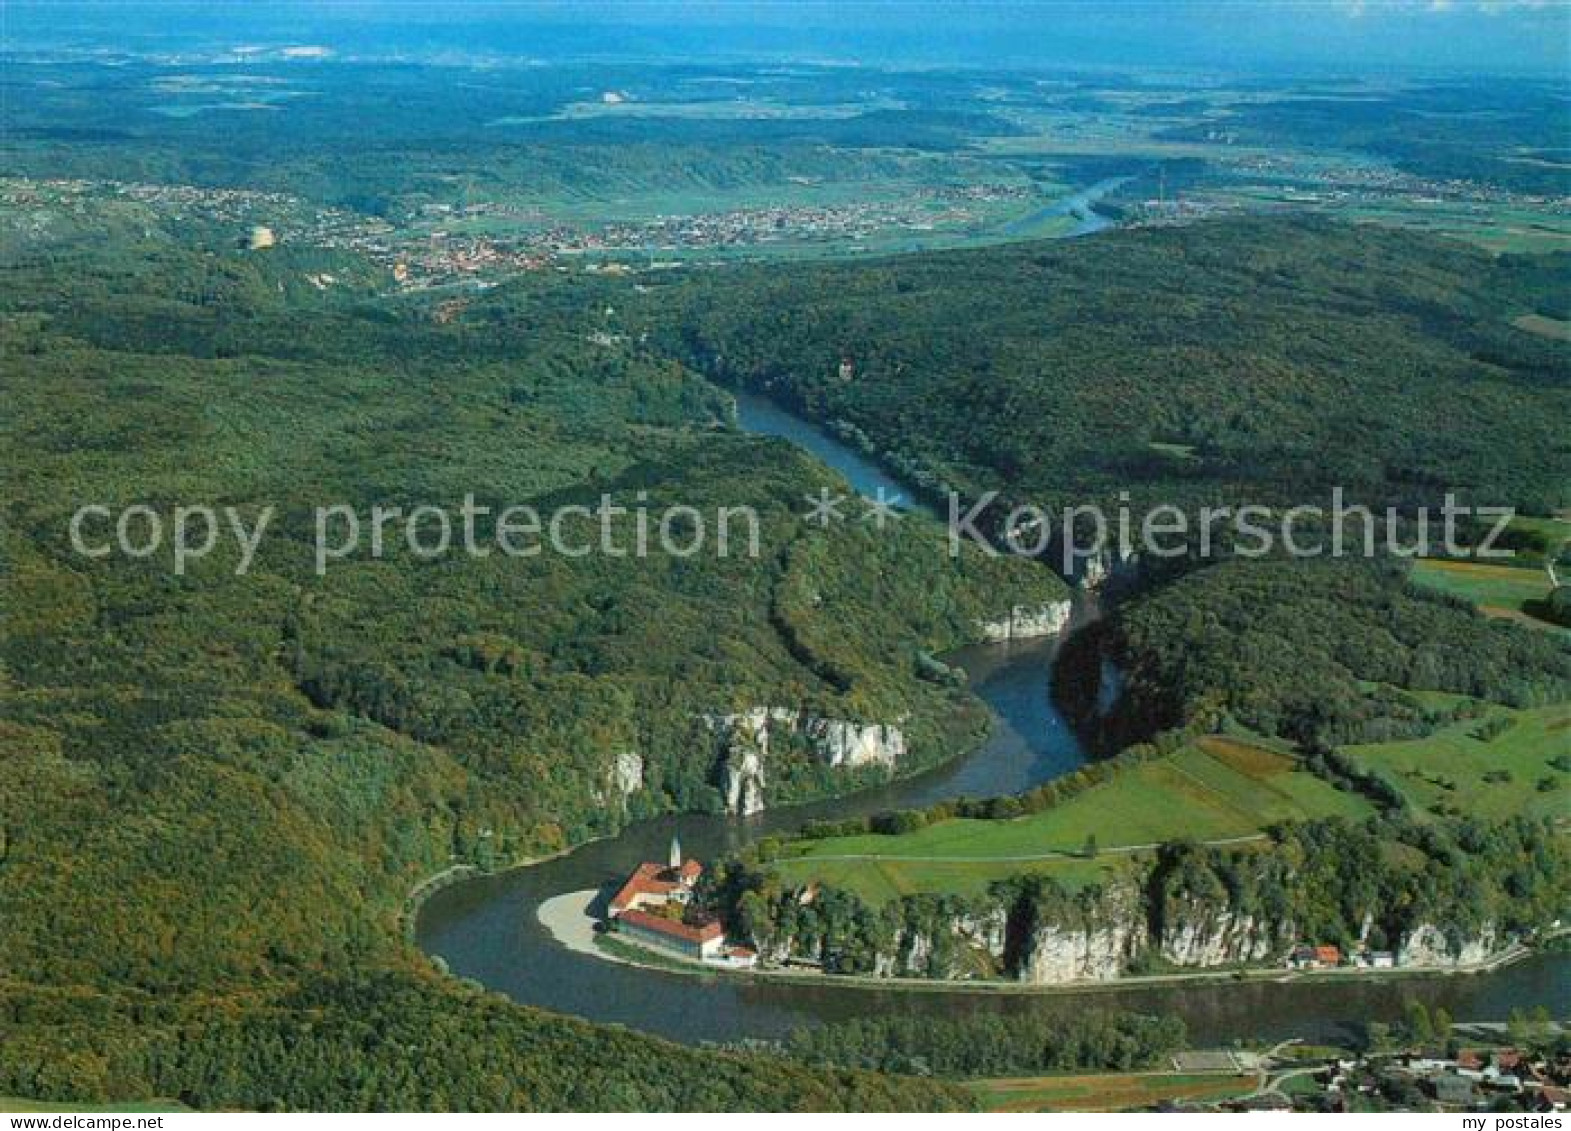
1047, 936
624, 777
1080, 955
1428, 945
747, 738
965, 947
1198, 934
627, 775
841, 743
1104, 565
1086, 948
1027, 621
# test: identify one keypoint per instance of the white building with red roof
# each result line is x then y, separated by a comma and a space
655, 885
642, 909
701, 941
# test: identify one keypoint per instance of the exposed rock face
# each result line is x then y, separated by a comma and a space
1027, 621
964, 947
1105, 564
1100, 935
745, 740
1069, 955
842, 743
628, 773
1197, 934
1090, 950
987, 932
1095, 574
1428, 945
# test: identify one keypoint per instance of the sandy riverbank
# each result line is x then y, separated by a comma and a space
570, 922
568, 919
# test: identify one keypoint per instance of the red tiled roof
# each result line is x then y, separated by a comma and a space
1469, 1058
654, 879
708, 932
1328, 953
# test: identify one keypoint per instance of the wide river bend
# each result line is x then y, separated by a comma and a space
486, 928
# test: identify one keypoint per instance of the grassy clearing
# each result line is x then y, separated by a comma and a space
1497, 590
1499, 777
1219, 788
1105, 1092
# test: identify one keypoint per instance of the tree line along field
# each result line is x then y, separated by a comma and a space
1517, 589
1217, 788
15, 1104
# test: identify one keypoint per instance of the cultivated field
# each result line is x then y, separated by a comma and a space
1218, 789
1498, 590
1105, 1092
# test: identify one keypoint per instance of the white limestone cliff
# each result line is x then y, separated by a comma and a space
1100, 567
1195, 935
1428, 945
1024, 622
1071, 954
842, 743
628, 772
745, 740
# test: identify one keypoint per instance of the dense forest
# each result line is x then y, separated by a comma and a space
1321, 653
1246, 361
220, 789
993, 1045
396, 1040
245, 775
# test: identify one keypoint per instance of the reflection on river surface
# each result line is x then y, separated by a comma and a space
486, 928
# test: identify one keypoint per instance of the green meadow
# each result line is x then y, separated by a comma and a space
881, 879
1219, 788
1461, 767
1508, 592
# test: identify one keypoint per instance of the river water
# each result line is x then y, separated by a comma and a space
1081, 207
486, 928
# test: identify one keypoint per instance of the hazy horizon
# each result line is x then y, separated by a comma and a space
1309, 37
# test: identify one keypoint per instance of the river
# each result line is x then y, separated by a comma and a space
1081, 206
486, 928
